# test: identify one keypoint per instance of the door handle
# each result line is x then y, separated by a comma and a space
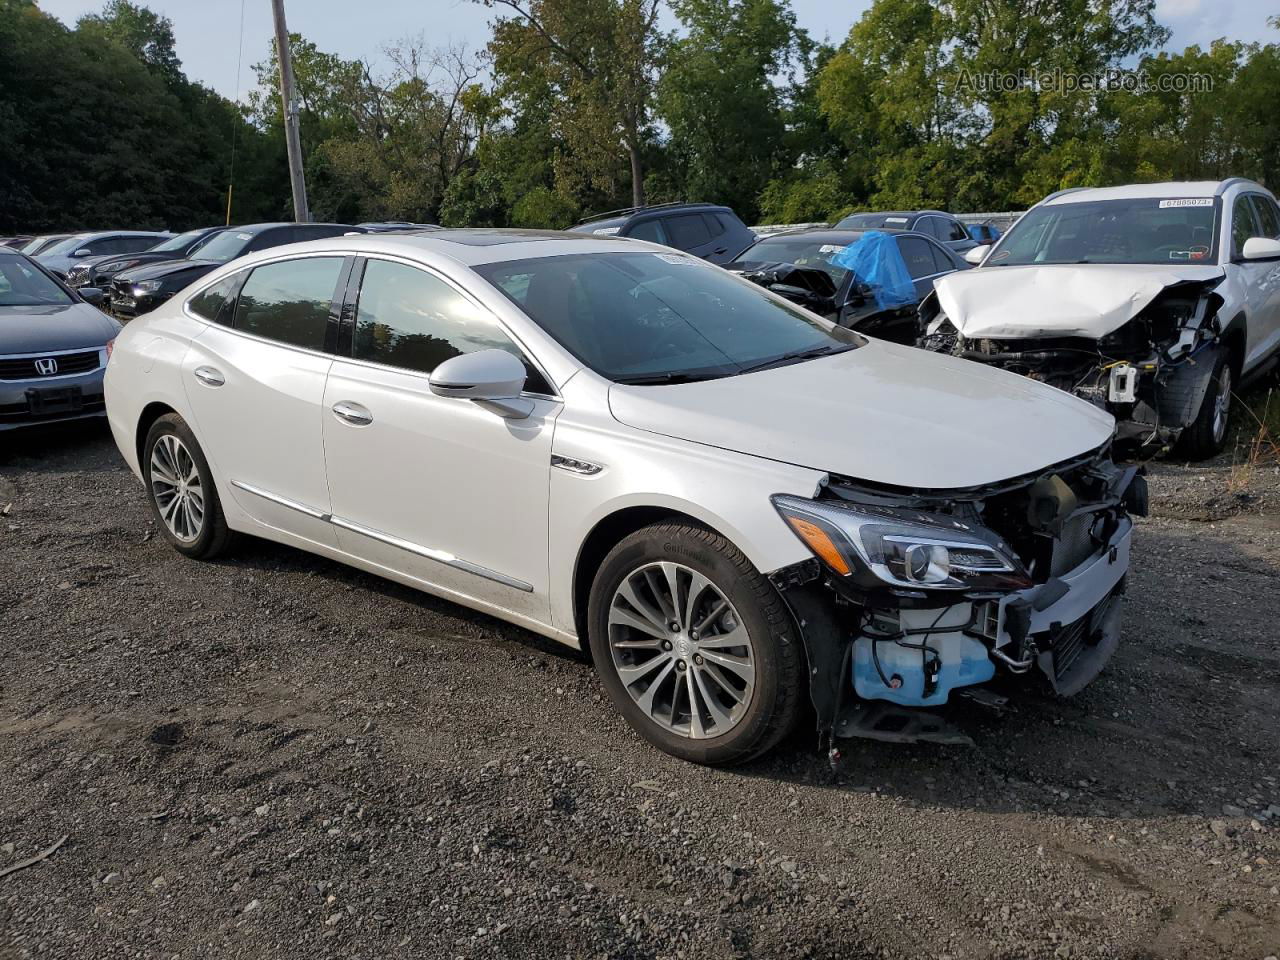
352, 413
720, 251
209, 376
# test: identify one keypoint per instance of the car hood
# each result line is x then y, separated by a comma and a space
60, 264
1057, 300
881, 413
167, 268
53, 327
142, 258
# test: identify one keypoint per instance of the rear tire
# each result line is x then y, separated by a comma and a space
1207, 434
180, 489
711, 658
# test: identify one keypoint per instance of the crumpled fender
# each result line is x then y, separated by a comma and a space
1057, 300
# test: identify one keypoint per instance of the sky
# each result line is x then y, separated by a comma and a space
208, 31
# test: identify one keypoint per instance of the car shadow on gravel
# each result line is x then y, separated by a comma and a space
80, 445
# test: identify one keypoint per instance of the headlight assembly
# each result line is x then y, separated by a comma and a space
901, 548
146, 286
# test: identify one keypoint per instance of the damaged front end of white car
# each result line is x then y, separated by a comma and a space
915, 597
1142, 342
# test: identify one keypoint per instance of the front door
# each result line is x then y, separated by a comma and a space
255, 389
438, 489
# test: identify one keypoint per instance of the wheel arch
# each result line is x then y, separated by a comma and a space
150, 414
1235, 338
607, 533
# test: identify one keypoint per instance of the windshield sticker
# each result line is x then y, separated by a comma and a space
895, 219
1189, 202
1195, 253
244, 236
830, 248
673, 258
605, 231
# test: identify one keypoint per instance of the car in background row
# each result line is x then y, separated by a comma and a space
53, 347
99, 271
394, 226
943, 227
705, 230
139, 290
38, 244
16, 242
1152, 301
798, 265
62, 256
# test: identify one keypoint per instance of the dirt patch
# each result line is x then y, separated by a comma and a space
278, 756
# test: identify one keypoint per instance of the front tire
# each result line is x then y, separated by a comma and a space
694, 646
1207, 434
180, 490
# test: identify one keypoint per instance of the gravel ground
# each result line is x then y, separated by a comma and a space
275, 756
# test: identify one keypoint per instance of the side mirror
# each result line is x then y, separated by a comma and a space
92, 295
82, 252
492, 378
975, 255
1261, 248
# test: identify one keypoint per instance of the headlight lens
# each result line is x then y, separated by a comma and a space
145, 286
903, 548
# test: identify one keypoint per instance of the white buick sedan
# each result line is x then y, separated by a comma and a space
729, 503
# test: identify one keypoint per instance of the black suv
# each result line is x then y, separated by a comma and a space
943, 227
703, 229
141, 289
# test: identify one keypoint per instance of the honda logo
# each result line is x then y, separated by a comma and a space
47, 367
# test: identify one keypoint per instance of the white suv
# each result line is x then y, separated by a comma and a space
1152, 301
729, 501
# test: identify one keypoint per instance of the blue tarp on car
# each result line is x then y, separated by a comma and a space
875, 259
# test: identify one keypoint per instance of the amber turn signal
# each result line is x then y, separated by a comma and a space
820, 543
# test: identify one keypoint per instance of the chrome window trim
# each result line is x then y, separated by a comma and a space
439, 556
295, 255
101, 351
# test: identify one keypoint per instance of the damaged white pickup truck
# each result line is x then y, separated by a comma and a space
1151, 301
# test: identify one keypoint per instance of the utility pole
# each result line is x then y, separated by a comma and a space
289, 101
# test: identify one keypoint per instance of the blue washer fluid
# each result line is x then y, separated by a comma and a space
965, 662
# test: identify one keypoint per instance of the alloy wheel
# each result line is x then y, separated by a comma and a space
176, 487
681, 650
1222, 406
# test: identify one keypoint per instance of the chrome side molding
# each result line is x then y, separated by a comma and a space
440, 556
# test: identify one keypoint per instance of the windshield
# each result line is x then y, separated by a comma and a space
22, 285
224, 246
662, 317
66, 246
878, 221
34, 245
180, 242
802, 251
1140, 230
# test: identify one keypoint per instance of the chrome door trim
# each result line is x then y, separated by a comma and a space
440, 556
282, 501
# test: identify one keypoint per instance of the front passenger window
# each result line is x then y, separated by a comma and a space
1242, 223
409, 318
289, 301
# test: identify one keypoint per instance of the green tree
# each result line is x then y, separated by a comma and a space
591, 64
144, 33
719, 98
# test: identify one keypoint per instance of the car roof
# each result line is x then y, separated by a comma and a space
1141, 191
619, 217
469, 247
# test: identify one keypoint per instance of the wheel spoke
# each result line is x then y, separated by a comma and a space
621, 617
741, 668
656, 618
645, 700
721, 680
717, 610
698, 584
661, 591
718, 713
696, 730
632, 673
737, 637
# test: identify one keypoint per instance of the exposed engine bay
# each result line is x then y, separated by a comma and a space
810, 287
923, 594
1150, 371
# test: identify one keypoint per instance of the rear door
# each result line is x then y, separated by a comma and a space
690, 232
918, 254
436, 488
255, 383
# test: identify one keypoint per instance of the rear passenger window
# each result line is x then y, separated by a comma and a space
134, 244
409, 318
942, 261
955, 231
213, 303
1242, 223
650, 230
715, 226
687, 231
289, 301
918, 257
